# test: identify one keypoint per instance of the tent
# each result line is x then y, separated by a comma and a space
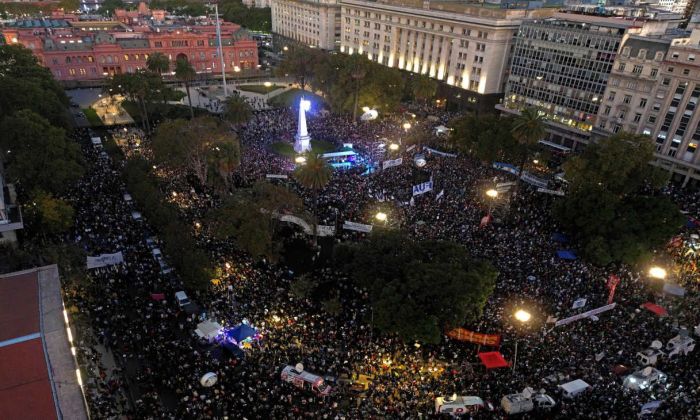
242, 332
493, 360
566, 254
559, 237
233, 349
658, 310
208, 329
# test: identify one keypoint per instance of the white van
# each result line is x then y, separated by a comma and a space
458, 405
644, 379
574, 388
526, 401
649, 356
182, 298
680, 345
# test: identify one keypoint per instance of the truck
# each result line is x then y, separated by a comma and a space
644, 379
308, 381
458, 405
526, 401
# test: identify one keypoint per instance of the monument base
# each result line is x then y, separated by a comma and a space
302, 144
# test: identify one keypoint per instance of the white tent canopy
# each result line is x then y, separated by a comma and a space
208, 329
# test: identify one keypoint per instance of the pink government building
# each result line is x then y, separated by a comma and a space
84, 50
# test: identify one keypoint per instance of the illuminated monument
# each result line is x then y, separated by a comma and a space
302, 141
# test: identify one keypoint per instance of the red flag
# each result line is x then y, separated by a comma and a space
485, 220
613, 281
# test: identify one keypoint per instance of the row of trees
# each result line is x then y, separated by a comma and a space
613, 208
38, 157
350, 82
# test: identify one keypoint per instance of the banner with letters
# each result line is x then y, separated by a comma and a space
533, 180
462, 334
104, 260
585, 315
437, 152
506, 167
276, 176
423, 188
553, 192
391, 163
359, 227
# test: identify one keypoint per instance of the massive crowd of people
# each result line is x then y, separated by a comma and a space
161, 359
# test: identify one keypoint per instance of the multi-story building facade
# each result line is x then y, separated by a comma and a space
657, 95
258, 4
84, 50
561, 66
313, 23
673, 6
465, 46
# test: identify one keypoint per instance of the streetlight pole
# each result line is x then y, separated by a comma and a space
221, 49
523, 317
492, 194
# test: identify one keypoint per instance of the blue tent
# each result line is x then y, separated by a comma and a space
566, 254
242, 332
559, 237
233, 349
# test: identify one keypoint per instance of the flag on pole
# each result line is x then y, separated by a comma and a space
440, 194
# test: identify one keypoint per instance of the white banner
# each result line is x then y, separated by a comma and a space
411, 148
533, 180
104, 260
584, 315
579, 303
275, 176
391, 163
437, 152
357, 226
553, 192
423, 188
324, 230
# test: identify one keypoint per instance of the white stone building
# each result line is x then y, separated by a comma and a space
314, 23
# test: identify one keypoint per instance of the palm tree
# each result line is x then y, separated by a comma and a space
315, 174
237, 110
185, 73
225, 156
528, 129
357, 73
158, 63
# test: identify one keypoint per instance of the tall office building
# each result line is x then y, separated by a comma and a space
464, 45
313, 23
561, 66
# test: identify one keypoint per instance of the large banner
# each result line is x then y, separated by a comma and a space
473, 337
584, 315
324, 230
357, 227
423, 188
437, 152
553, 192
391, 163
276, 176
104, 260
533, 180
506, 167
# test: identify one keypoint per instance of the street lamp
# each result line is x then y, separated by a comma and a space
393, 147
492, 194
381, 216
268, 85
657, 272
406, 126
300, 160
522, 316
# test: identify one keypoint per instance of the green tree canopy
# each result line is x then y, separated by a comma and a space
193, 146
237, 110
38, 155
185, 73
158, 63
423, 88
613, 208
487, 138
247, 217
56, 215
418, 289
24, 84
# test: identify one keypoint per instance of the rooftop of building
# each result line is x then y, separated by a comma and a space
37, 370
650, 45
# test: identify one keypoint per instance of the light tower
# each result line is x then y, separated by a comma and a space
302, 141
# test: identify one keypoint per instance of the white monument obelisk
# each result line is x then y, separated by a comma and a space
302, 141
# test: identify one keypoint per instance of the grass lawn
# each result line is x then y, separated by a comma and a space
287, 149
262, 89
292, 96
92, 117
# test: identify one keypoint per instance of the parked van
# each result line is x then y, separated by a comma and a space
182, 298
296, 376
644, 379
457, 405
681, 345
526, 401
574, 388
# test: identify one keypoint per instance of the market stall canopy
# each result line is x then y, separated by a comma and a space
566, 254
493, 360
242, 332
208, 329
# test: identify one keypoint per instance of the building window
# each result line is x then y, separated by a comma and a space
666, 81
616, 128
654, 72
637, 69
686, 72
158, 44
621, 67
126, 57
637, 118
651, 119
691, 57
606, 111
643, 102
627, 99
670, 69
611, 95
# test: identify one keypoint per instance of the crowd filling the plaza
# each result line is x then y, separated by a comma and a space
248, 347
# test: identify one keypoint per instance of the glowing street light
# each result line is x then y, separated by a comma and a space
267, 84
657, 272
393, 147
492, 193
300, 160
381, 216
522, 316
406, 126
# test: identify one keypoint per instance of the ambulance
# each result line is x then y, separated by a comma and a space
296, 376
